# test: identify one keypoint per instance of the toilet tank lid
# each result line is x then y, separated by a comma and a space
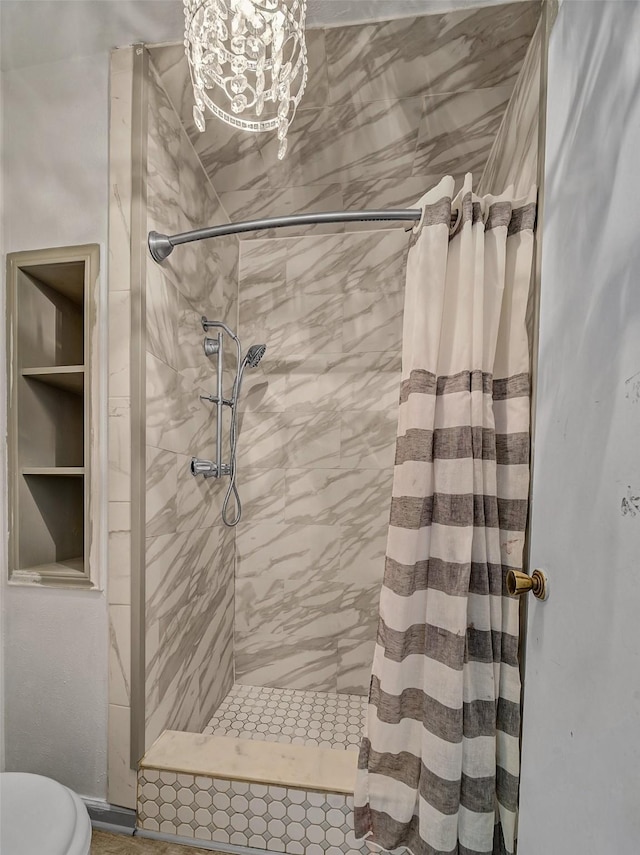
40, 815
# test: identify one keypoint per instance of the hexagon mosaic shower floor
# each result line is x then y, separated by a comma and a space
288, 715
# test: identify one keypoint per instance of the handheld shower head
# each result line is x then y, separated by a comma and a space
255, 354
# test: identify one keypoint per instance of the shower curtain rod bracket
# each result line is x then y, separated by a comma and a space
161, 246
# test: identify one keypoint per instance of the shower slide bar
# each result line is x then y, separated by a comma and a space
161, 246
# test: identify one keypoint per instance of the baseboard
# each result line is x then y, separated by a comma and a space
106, 817
211, 845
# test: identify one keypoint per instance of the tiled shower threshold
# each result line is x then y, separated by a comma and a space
274, 770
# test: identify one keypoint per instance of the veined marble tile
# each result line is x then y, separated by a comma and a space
390, 193
324, 382
120, 655
317, 91
121, 778
259, 604
174, 172
244, 761
360, 605
177, 420
449, 52
188, 604
119, 449
184, 570
179, 708
189, 567
306, 609
262, 440
262, 494
170, 64
368, 440
180, 197
336, 496
167, 586
204, 272
314, 323
319, 264
355, 661
459, 128
289, 321
120, 169
119, 549
261, 262
338, 263
285, 551
216, 668
198, 500
281, 202
263, 660
338, 144
514, 155
222, 148
261, 391
312, 440
362, 548
378, 261
317, 607
219, 142
161, 489
372, 321
119, 344
161, 330
162, 392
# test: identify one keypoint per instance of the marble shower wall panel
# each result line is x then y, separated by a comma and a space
316, 449
514, 156
189, 553
389, 108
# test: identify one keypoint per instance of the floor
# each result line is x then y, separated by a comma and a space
103, 843
288, 715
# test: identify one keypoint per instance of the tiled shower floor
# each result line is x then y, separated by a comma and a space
287, 715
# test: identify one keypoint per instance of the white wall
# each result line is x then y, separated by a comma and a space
55, 104
581, 751
55, 173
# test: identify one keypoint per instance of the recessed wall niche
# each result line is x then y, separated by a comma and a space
51, 317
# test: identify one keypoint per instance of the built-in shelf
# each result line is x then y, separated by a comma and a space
66, 471
67, 377
52, 313
68, 573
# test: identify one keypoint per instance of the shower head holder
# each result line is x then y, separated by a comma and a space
211, 346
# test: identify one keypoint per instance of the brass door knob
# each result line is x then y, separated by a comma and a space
519, 583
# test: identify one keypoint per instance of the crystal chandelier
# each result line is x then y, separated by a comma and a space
248, 62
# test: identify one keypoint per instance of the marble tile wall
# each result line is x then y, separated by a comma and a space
514, 156
189, 553
316, 448
389, 108
121, 778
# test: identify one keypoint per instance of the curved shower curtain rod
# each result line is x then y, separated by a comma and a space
161, 246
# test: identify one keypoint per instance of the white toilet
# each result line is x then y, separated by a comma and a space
38, 816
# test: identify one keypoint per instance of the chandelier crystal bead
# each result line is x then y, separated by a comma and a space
248, 62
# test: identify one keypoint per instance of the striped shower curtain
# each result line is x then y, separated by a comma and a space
439, 765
